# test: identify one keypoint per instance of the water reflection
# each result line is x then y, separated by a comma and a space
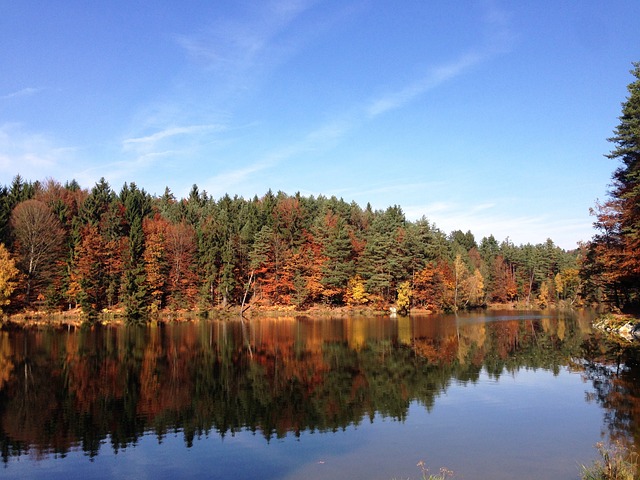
614, 371
61, 390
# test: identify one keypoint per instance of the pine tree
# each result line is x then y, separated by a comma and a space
337, 249
135, 285
137, 205
613, 253
382, 261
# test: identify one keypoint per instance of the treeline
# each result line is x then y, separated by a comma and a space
98, 249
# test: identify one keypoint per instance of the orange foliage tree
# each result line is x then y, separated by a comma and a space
155, 260
428, 288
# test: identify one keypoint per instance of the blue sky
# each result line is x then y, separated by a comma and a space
487, 116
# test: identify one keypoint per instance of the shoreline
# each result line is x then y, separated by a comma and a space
622, 326
77, 318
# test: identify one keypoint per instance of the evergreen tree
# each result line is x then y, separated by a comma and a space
613, 252
464, 240
381, 263
137, 204
135, 285
97, 203
339, 266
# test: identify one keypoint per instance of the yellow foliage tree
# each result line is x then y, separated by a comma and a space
460, 272
571, 283
8, 272
356, 292
559, 281
474, 288
404, 297
543, 297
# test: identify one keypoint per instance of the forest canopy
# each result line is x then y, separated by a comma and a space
130, 251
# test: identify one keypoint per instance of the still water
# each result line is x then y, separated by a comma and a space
490, 396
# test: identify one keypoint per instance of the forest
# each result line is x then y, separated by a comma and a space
64, 247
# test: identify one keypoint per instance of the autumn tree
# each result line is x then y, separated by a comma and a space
38, 242
544, 295
274, 282
64, 201
89, 279
8, 274
475, 289
403, 301
447, 275
356, 293
428, 288
503, 287
460, 274
155, 260
181, 249
307, 264
568, 284
10, 196
104, 244
613, 252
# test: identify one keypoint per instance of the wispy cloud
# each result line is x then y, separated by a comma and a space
235, 48
123, 171
25, 92
219, 184
153, 139
238, 51
433, 79
328, 134
236, 177
497, 39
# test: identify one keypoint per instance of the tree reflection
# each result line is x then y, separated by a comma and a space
82, 389
614, 371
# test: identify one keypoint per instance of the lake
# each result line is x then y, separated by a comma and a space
497, 395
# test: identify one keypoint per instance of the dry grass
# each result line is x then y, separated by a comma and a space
616, 463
